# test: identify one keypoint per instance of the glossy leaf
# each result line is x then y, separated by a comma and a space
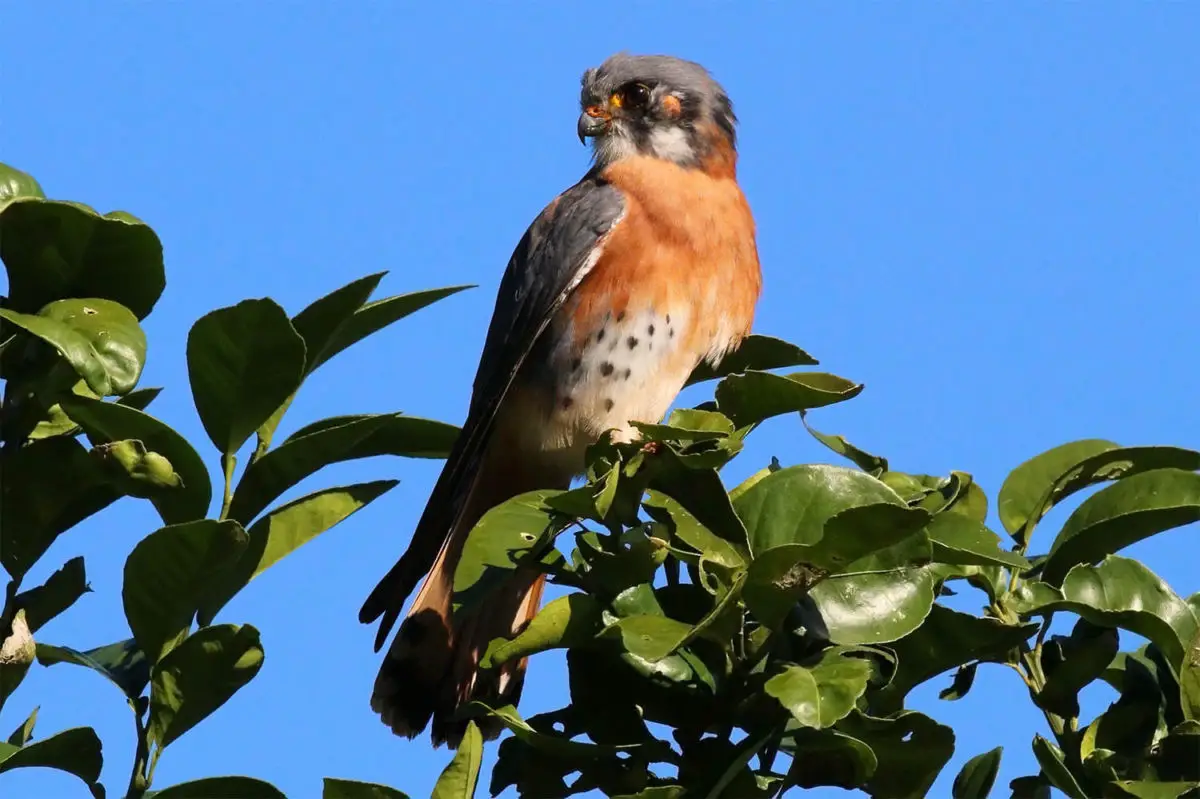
505, 535
122, 663
688, 529
105, 422
15, 184
198, 676
911, 749
829, 758
1189, 678
754, 353
352, 789
52, 597
650, 637
823, 694
101, 339
1122, 593
945, 640
56, 250
75, 751
961, 540
48, 486
754, 396
569, 621
21, 735
333, 441
135, 469
283, 531
1124, 513
1157, 790
459, 778
168, 574
848, 605
219, 788
1022, 491
775, 582
793, 505
873, 465
978, 775
1050, 758
1071, 663
243, 363
964, 678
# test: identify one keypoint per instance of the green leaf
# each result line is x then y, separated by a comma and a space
284, 530
1189, 679
829, 757
352, 789
964, 678
167, 575
101, 339
15, 184
1072, 663
55, 250
911, 749
552, 745
75, 751
503, 537
138, 471
459, 778
793, 505
755, 352
775, 582
873, 465
243, 362
48, 486
821, 695
1112, 463
647, 636
849, 605
688, 529
1134, 508
978, 775
122, 663
754, 396
58, 593
1123, 593
105, 422
569, 621
333, 441
1156, 790
963, 541
945, 640
219, 788
21, 735
375, 316
1022, 491
198, 676
1050, 758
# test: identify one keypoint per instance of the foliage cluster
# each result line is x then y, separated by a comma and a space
720, 641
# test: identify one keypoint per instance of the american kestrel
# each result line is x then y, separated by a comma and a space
617, 291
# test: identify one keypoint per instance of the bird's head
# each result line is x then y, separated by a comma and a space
658, 106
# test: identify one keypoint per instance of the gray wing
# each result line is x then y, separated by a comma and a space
549, 262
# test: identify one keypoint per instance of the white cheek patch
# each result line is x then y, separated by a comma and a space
615, 145
672, 144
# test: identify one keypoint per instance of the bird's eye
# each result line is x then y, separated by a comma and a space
636, 95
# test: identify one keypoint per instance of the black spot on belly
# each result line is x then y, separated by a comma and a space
632, 342
600, 335
620, 316
650, 330
670, 332
628, 372
608, 405
606, 368
668, 319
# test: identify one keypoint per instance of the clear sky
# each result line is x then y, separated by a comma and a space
989, 213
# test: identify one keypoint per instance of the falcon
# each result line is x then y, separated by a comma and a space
622, 285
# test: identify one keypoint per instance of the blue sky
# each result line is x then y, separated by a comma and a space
989, 213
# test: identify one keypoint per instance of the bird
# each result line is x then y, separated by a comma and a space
620, 287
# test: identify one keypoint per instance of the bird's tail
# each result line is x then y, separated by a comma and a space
431, 670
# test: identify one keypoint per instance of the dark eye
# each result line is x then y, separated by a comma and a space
636, 95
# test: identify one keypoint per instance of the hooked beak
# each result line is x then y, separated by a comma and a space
593, 122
